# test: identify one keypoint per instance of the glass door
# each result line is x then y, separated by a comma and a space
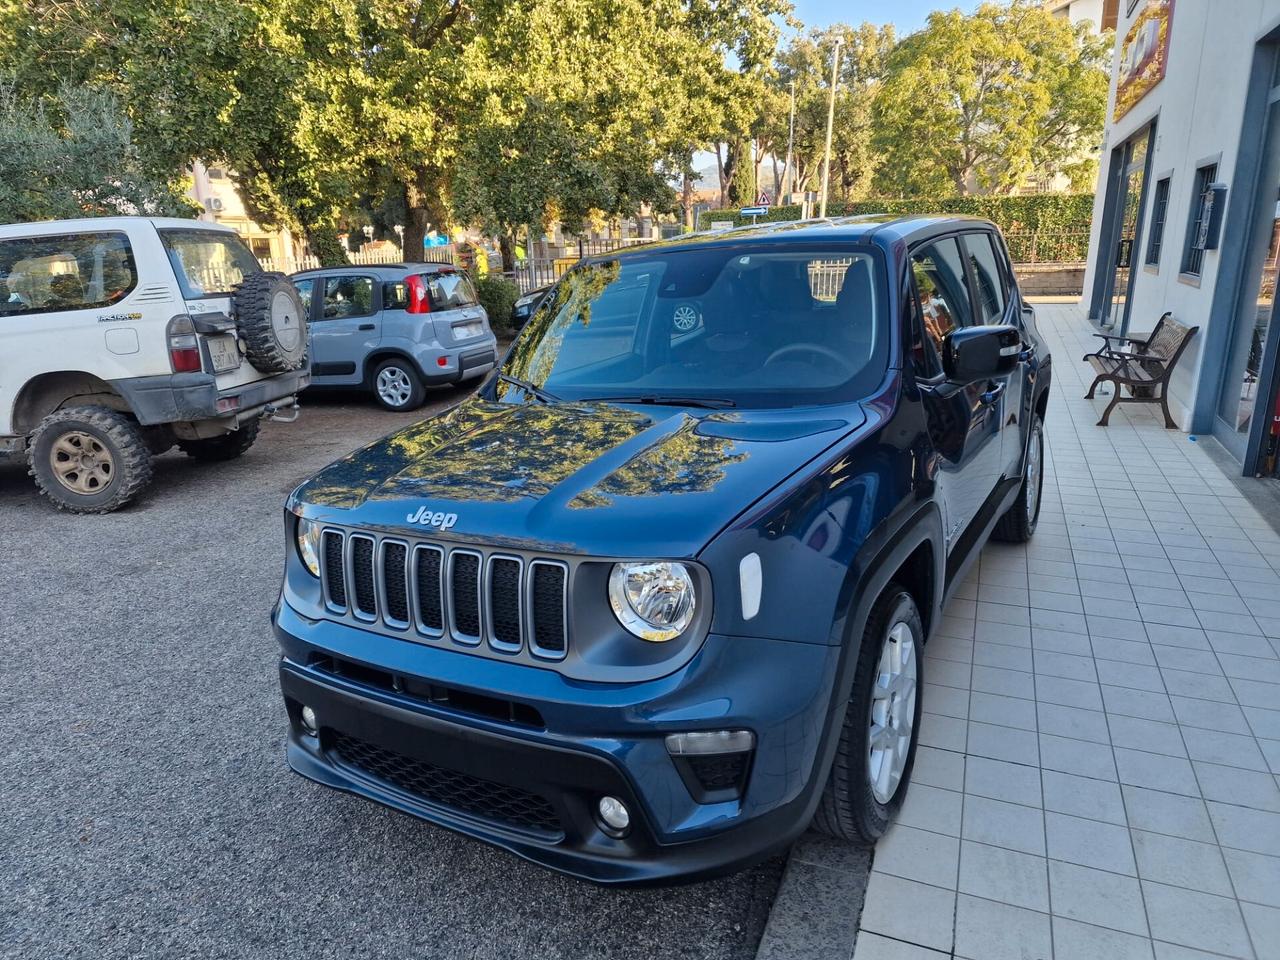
1244, 398
1129, 203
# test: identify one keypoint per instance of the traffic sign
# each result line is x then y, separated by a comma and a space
754, 211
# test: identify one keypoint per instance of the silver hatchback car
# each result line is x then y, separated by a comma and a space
395, 329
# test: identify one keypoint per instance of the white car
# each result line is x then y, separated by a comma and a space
122, 336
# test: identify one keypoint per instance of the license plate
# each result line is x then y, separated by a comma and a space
464, 330
225, 353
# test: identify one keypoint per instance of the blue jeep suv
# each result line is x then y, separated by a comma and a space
654, 599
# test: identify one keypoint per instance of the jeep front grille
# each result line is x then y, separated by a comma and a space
461, 594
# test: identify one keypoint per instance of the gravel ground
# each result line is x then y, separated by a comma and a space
145, 806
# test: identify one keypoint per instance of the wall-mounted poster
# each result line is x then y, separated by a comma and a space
1144, 55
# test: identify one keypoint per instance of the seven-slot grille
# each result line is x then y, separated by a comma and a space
472, 598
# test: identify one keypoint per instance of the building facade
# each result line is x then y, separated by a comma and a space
1101, 13
215, 191
1187, 215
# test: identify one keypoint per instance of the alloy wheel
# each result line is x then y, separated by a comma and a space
1035, 464
394, 387
81, 462
893, 712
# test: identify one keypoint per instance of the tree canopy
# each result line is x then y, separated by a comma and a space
977, 103
428, 113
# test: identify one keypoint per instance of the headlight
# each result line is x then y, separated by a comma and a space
654, 601
527, 299
309, 545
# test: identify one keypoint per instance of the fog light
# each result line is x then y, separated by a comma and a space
310, 725
703, 742
614, 815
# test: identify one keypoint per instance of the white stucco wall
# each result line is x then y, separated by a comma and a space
1199, 109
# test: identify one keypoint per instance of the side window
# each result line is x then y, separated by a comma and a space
940, 287
991, 295
304, 288
395, 295
347, 297
80, 272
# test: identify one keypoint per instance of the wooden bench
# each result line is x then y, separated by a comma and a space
1143, 368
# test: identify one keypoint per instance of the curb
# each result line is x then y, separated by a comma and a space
815, 914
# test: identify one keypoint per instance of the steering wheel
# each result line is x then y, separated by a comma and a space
818, 348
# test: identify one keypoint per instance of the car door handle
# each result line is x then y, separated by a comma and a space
365, 326
992, 395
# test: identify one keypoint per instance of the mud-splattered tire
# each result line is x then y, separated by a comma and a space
272, 321
89, 459
226, 447
877, 747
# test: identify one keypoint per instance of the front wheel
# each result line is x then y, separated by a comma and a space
877, 746
397, 386
89, 459
1019, 522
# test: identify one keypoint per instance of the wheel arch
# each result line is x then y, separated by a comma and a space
382, 354
913, 555
47, 392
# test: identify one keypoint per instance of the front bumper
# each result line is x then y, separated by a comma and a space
532, 787
182, 397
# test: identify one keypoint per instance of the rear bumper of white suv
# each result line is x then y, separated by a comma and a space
182, 397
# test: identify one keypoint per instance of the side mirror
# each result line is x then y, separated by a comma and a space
970, 354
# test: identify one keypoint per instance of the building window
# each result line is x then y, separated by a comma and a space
216, 173
1159, 213
1193, 252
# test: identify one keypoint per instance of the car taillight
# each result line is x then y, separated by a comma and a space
184, 346
419, 296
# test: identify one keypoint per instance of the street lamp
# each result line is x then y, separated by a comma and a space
831, 115
368, 232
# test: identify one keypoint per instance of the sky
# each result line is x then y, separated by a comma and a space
906, 15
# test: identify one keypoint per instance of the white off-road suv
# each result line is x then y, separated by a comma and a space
122, 336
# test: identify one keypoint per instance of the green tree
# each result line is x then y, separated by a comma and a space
806, 62
977, 103
75, 157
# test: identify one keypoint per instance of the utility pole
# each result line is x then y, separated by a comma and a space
791, 139
831, 116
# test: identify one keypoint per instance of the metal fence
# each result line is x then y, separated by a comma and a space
1028, 247
442, 254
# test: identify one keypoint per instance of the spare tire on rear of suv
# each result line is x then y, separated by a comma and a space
272, 321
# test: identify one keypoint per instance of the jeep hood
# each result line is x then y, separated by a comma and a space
586, 478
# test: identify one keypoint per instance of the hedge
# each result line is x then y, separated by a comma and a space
1042, 212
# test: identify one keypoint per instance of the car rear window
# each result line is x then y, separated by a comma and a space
76, 272
449, 290
208, 263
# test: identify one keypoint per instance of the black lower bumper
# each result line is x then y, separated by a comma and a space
533, 798
182, 397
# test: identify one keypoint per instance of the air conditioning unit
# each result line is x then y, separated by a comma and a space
213, 204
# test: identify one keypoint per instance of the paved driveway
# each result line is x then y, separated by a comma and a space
1097, 775
145, 807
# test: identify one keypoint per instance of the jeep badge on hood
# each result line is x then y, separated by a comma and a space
428, 519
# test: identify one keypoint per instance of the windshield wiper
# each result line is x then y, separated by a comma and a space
545, 396
711, 403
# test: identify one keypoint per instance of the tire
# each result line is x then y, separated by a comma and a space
397, 385
117, 464
852, 808
229, 446
272, 321
1018, 524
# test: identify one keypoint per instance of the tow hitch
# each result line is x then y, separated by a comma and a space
281, 414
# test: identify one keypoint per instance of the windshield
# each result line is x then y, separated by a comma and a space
209, 263
749, 325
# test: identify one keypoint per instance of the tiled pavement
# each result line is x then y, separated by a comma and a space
1097, 771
